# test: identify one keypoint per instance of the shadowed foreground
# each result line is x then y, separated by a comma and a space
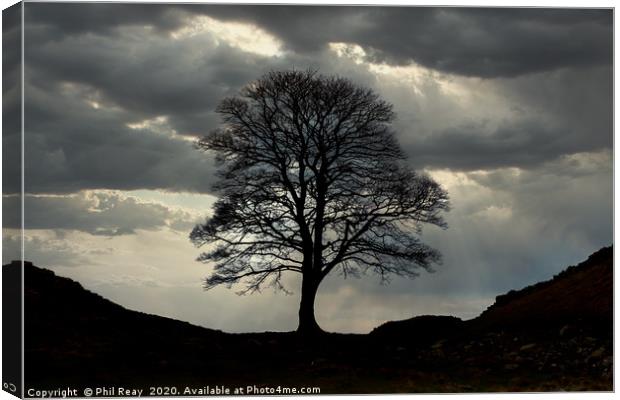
556, 335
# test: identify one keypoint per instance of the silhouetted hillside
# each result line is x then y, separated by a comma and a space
420, 330
579, 294
51, 299
75, 337
83, 335
555, 329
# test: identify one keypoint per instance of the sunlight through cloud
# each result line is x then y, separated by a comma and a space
159, 125
246, 37
414, 75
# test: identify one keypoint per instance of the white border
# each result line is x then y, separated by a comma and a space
480, 3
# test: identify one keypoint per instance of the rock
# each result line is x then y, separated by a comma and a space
511, 367
598, 352
318, 361
527, 347
566, 330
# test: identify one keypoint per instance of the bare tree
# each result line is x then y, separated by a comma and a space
312, 180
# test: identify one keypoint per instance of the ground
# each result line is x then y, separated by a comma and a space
78, 339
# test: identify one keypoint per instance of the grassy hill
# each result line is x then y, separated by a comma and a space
553, 334
580, 294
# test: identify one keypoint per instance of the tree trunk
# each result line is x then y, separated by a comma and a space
307, 322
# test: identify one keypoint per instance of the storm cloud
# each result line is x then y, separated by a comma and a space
96, 213
127, 66
483, 42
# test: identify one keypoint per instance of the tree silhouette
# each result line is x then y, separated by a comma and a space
312, 180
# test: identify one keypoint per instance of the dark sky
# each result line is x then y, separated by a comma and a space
510, 109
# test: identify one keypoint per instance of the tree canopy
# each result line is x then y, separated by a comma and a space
312, 180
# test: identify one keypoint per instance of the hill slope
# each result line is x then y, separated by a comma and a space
85, 336
560, 330
580, 293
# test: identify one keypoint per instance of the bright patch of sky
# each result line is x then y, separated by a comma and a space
246, 37
435, 100
160, 126
196, 203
